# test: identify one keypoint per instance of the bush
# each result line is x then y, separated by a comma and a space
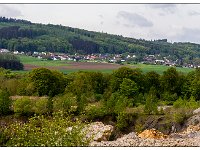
98, 97
139, 126
168, 97
117, 103
192, 103
183, 103
180, 103
40, 131
122, 103
122, 121
66, 103
41, 106
128, 88
96, 110
5, 102
23, 106
47, 82
126, 119
151, 106
179, 117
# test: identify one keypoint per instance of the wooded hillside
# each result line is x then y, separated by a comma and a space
25, 36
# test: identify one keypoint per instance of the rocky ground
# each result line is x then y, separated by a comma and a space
189, 137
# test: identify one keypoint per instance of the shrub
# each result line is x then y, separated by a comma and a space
98, 97
180, 103
139, 126
192, 103
140, 99
41, 106
122, 121
151, 103
23, 106
121, 104
65, 103
47, 82
179, 117
40, 131
82, 102
126, 119
128, 88
117, 103
96, 110
183, 103
168, 97
5, 102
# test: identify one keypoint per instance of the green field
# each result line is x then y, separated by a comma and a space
159, 68
40, 62
49, 63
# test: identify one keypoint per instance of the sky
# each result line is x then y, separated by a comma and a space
175, 22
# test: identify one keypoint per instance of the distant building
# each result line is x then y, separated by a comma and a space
62, 58
159, 61
35, 53
4, 51
15, 52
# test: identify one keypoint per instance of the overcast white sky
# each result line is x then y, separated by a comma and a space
176, 22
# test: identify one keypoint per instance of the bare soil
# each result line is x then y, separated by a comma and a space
77, 66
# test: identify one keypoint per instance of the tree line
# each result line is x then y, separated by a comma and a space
9, 61
131, 87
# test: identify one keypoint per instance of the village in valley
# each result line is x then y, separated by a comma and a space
107, 58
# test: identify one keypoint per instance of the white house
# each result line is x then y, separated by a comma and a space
62, 58
4, 51
15, 52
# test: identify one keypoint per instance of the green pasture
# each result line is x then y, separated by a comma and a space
158, 68
40, 62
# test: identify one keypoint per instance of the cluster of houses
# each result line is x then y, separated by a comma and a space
77, 57
152, 59
111, 58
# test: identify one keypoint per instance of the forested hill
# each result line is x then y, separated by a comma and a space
25, 36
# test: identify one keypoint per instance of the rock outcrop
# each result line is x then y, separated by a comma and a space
194, 120
98, 131
152, 133
196, 111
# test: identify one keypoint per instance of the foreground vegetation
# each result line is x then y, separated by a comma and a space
127, 97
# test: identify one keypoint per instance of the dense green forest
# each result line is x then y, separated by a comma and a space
127, 96
25, 36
